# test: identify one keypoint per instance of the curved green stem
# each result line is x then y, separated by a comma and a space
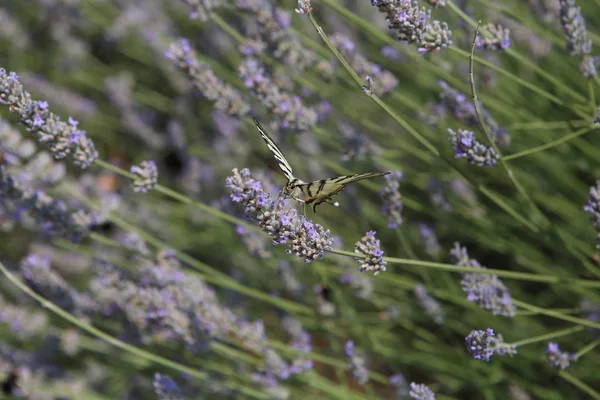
548, 336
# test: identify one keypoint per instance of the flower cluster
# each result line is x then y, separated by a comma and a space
459, 105
383, 80
146, 176
557, 358
578, 43
225, 97
289, 110
401, 388
166, 388
466, 146
593, 207
493, 38
437, 3
437, 195
370, 248
429, 304
356, 364
419, 391
482, 345
51, 215
362, 285
303, 7
303, 238
487, 290
597, 118
392, 199
59, 137
414, 24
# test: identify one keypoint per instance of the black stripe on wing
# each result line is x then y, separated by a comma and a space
283, 164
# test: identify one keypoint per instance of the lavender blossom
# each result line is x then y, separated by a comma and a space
304, 238
146, 176
482, 345
430, 240
289, 110
59, 137
414, 24
463, 110
166, 388
303, 7
392, 200
51, 215
466, 146
224, 97
578, 43
369, 247
400, 384
437, 195
12, 32
498, 40
357, 145
593, 207
486, 290
437, 3
356, 364
383, 81
256, 243
289, 279
597, 119
429, 304
557, 358
419, 391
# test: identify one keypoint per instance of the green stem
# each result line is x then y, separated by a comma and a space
554, 143
579, 384
587, 348
557, 315
549, 336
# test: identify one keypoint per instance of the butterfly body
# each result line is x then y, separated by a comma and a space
316, 192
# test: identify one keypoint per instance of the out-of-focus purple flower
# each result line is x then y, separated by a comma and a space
493, 38
482, 345
166, 388
146, 176
430, 240
593, 207
224, 96
597, 119
201, 9
51, 215
59, 137
460, 105
429, 304
119, 90
289, 279
256, 243
400, 384
486, 290
557, 358
391, 53
363, 286
289, 110
370, 247
466, 146
12, 32
578, 43
304, 238
323, 305
303, 7
465, 191
383, 81
357, 145
437, 195
392, 200
437, 3
21, 321
419, 391
356, 363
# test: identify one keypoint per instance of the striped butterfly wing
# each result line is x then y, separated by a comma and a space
283, 164
318, 192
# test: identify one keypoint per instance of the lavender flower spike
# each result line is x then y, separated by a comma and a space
419, 391
498, 40
487, 290
597, 119
147, 176
593, 207
392, 200
466, 146
482, 345
356, 363
303, 7
370, 247
557, 358
59, 137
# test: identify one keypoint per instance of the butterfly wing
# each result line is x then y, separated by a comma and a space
318, 192
283, 164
